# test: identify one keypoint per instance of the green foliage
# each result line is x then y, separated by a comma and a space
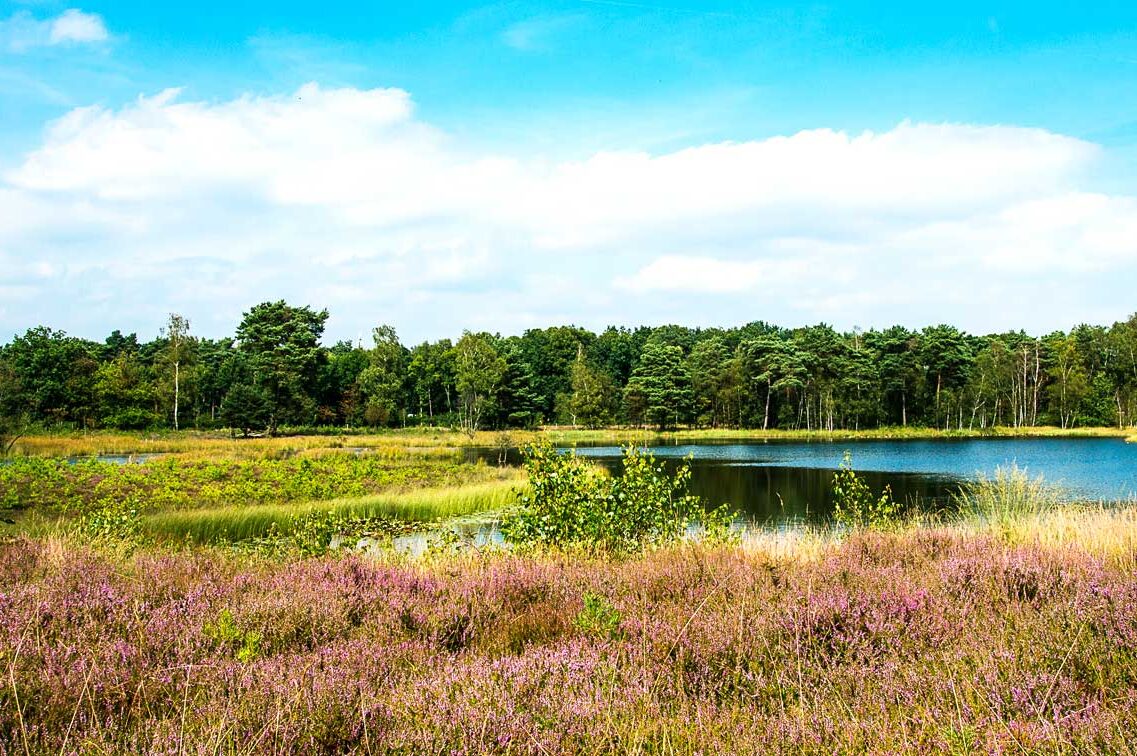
854, 503
592, 402
114, 520
479, 369
599, 618
246, 408
380, 384
251, 489
572, 504
659, 391
225, 632
317, 533
276, 373
283, 346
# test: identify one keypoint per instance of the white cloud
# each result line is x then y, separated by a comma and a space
74, 25
345, 194
22, 31
706, 274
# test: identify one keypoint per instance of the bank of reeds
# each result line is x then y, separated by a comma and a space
1010, 495
647, 435
217, 444
232, 524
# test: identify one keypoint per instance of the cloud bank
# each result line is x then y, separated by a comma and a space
345, 198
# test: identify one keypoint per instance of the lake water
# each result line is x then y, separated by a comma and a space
778, 481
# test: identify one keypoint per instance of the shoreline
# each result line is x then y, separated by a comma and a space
432, 440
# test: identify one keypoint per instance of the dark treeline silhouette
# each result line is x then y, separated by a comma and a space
274, 372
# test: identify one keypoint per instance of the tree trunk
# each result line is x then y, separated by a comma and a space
766, 416
177, 365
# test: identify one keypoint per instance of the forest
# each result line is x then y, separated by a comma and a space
275, 375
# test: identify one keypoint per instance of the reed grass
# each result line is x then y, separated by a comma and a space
239, 523
1009, 496
1108, 532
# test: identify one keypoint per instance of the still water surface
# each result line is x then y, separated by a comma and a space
776, 482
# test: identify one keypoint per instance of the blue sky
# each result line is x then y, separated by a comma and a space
441, 166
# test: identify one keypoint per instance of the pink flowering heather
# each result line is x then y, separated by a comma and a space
928, 641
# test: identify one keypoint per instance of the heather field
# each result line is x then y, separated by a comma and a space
1017, 637
197, 603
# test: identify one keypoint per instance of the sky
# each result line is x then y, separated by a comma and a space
448, 166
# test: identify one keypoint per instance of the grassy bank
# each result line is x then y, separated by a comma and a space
953, 639
240, 523
420, 441
618, 435
222, 445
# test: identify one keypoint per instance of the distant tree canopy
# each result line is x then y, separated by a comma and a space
275, 372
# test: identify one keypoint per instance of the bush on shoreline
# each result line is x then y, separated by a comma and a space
572, 504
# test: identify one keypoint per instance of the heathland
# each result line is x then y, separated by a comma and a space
183, 593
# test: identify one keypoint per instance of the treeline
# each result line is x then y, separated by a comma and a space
274, 372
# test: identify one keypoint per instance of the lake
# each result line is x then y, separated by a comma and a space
781, 481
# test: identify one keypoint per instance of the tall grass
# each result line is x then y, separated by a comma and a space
614, 435
1010, 496
238, 523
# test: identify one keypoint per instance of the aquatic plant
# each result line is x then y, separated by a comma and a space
228, 524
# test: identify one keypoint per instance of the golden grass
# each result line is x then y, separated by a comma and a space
417, 442
441, 441
639, 435
806, 543
1107, 532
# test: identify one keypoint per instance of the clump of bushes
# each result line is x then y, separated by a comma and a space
573, 504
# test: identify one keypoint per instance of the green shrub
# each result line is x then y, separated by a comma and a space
571, 503
116, 520
599, 618
854, 503
245, 644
